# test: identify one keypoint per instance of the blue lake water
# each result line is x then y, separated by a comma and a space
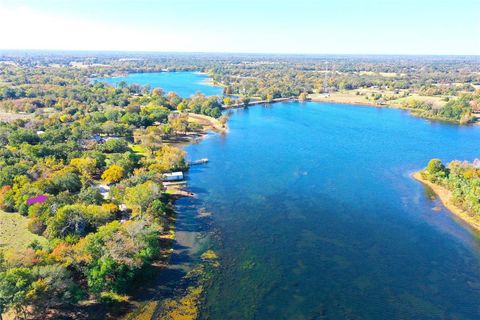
315, 216
185, 84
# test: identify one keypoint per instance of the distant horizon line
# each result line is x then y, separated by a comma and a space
233, 53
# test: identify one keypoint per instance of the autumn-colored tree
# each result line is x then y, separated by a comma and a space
269, 97
169, 158
179, 122
86, 166
151, 137
113, 174
181, 107
3, 191
157, 92
303, 96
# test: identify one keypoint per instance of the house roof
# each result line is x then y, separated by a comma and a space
38, 199
173, 174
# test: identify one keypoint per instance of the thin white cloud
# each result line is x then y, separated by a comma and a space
24, 28
214, 26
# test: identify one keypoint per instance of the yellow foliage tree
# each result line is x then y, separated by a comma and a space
169, 158
113, 174
86, 166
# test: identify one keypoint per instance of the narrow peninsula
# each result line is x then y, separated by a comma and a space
456, 185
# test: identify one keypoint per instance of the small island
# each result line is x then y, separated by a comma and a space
457, 186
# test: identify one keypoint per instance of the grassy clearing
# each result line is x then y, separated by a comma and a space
348, 97
139, 149
382, 74
390, 97
11, 116
14, 233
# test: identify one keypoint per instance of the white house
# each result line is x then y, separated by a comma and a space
173, 176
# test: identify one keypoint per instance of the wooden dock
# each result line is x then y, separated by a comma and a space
199, 161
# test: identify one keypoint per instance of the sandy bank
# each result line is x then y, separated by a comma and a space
446, 198
207, 122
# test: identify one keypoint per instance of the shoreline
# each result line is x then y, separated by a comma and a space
412, 112
209, 123
150, 308
445, 197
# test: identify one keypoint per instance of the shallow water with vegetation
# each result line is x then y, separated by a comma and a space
315, 216
185, 84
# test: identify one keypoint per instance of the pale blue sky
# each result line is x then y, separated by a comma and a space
266, 26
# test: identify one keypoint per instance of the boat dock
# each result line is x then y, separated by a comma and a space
257, 102
199, 161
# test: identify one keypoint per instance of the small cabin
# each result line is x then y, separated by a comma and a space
173, 176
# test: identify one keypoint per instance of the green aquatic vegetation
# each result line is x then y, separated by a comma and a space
209, 255
186, 304
247, 265
185, 307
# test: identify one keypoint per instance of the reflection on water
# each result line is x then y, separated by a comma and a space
317, 216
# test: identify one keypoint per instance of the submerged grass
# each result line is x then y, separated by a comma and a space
187, 303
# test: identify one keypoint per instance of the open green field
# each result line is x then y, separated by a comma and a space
11, 116
348, 97
14, 233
